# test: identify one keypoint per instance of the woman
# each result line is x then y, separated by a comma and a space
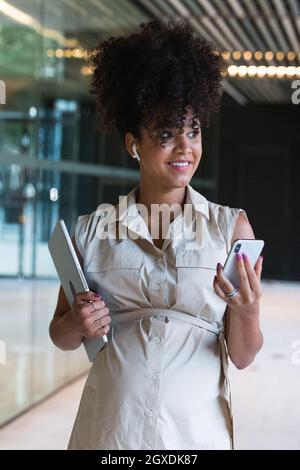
161, 381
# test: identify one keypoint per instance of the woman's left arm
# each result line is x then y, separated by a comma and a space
243, 335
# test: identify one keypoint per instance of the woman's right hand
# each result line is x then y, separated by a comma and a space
90, 319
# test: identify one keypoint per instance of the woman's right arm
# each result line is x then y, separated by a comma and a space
71, 324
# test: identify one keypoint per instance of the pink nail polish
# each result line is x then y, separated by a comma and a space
218, 267
238, 257
245, 257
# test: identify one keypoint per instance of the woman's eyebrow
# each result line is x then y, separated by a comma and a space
191, 126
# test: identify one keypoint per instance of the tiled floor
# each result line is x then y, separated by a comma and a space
266, 394
34, 366
46, 426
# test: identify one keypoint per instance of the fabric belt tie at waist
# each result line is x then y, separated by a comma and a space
119, 318
218, 330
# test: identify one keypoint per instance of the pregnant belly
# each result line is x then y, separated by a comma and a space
165, 356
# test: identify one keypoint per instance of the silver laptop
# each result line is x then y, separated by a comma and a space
71, 277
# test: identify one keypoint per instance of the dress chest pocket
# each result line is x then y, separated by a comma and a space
116, 276
195, 270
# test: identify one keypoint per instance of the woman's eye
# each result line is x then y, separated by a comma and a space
168, 135
165, 135
195, 133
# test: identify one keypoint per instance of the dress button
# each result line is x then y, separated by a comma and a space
157, 339
155, 285
148, 413
154, 377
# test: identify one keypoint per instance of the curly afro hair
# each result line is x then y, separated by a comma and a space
147, 79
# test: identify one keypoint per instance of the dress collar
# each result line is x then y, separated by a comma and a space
128, 205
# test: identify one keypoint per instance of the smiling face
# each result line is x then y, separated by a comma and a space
170, 159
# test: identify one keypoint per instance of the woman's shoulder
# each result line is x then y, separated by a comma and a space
226, 218
103, 211
214, 210
224, 212
83, 224
86, 227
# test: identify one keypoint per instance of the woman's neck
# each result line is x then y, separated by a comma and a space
147, 196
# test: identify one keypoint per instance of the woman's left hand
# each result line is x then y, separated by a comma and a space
249, 291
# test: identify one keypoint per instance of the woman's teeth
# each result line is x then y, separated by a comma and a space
179, 164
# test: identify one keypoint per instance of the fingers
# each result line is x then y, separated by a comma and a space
96, 330
84, 297
258, 266
222, 285
92, 314
102, 323
245, 286
96, 324
93, 310
100, 314
94, 305
88, 302
250, 288
223, 282
219, 291
100, 332
253, 275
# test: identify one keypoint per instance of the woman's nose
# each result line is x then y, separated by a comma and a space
183, 145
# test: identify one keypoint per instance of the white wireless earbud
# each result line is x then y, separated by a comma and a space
136, 155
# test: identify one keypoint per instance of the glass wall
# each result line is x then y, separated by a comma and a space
53, 164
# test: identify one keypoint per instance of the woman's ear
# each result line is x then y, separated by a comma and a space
136, 155
131, 145
129, 141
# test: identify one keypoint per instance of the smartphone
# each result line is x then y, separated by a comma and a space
251, 247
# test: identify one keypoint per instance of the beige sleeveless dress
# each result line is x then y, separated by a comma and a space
161, 382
